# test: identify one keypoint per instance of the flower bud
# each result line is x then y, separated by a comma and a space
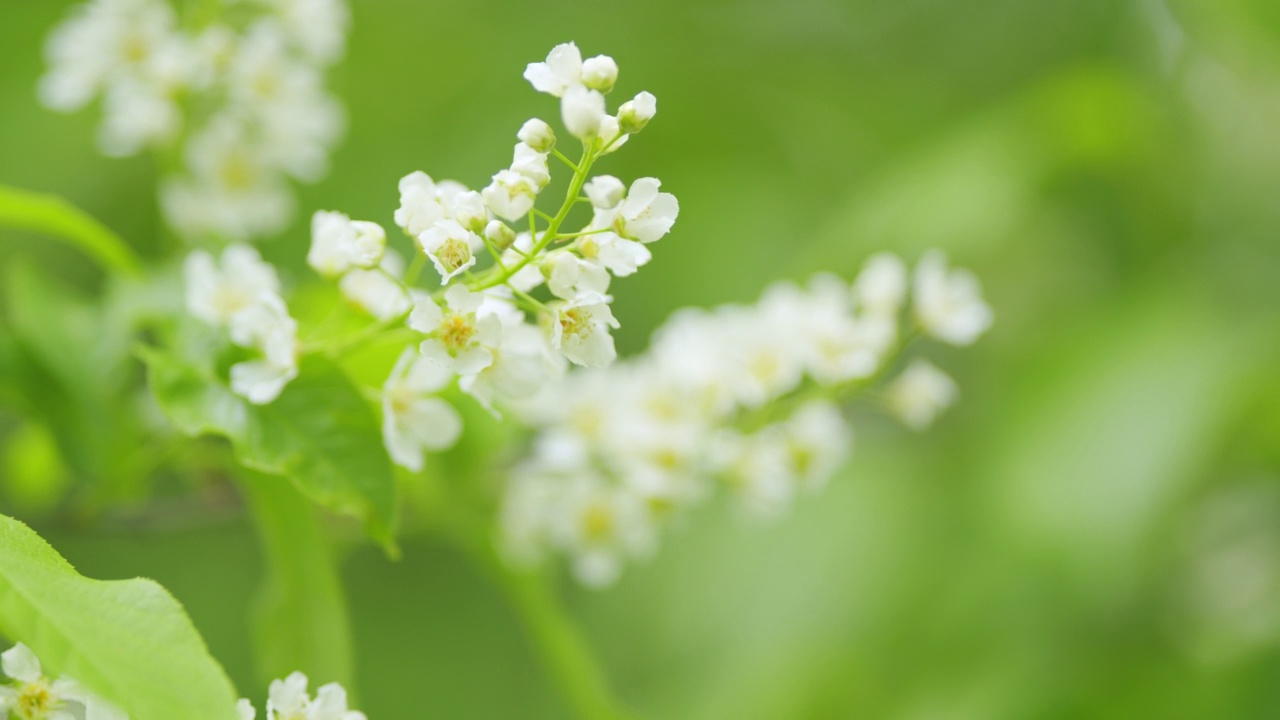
537, 135
582, 111
600, 73
470, 212
605, 191
500, 234
635, 114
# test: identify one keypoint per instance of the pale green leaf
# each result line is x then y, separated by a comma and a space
129, 640
54, 216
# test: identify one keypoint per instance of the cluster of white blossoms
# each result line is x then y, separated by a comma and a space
231, 96
520, 298
288, 699
241, 292
30, 695
744, 398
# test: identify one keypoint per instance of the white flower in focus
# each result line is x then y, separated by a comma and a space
218, 290
580, 330
570, 277
582, 111
33, 697
537, 135
618, 255
523, 363
561, 71
948, 303
288, 700
920, 394
635, 114
267, 327
378, 291
469, 211
451, 248
339, 243
599, 73
511, 195
532, 164
459, 339
881, 287
424, 202
610, 136
605, 191
646, 214
414, 421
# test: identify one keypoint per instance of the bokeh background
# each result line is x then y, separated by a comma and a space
1094, 532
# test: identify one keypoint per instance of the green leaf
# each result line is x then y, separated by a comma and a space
128, 640
301, 620
319, 433
54, 216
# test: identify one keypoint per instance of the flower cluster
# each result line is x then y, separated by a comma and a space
540, 302
747, 398
234, 101
29, 695
241, 292
288, 699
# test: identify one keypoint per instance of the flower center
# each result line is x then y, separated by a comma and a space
457, 330
237, 171
453, 254
135, 48
575, 321
35, 701
589, 248
597, 522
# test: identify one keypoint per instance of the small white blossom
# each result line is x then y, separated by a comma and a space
532, 164
267, 327
218, 290
600, 527
818, 441
537, 135
580, 330
451, 248
245, 709
288, 699
948, 303
378, 291
605, 191
599, 73
469, 211
500, 234
458, 339
424, 202
583, 111
32, 696
635, 114
920, 394
881, 288
523, 362
511, 195
570, 276
646, 214
414, 421
339, 243
561, 71
618, 255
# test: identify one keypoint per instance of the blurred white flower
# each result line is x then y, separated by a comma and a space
881, 288
414, 420
339, 243
218, 290
32, 696
635, 114
379, 291
583, 111
920, 394
599, 73
948, 303
267, 327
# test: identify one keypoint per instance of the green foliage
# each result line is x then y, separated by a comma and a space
320, 433
129, 640
301, 615
53, 216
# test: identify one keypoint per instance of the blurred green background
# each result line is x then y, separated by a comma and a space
1094, 532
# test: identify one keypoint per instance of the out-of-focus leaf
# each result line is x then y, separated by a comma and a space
34, 475
301, 618
319, 433
129, 640
54, 216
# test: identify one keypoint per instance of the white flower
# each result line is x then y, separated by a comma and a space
511, 195
267, 327
948, 304
458, 339
647, 214
635, 114
246, 709
920, 394
317, 27
537, 135
610, 136
33, 697
582, 111
599, 73
339, 243
469, 211
605, 191
136, 115
881, 287
378, 291
561, 71
500, 234
530, 275
616, 254
840, 346
580, 330
216, 291
523, 363
288, 700
451, 248
532, 164
414, 421
600, 527
570, 276
756, 469
767, 348
423, 202
818, 441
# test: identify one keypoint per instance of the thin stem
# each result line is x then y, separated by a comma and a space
415, 268
565, 159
